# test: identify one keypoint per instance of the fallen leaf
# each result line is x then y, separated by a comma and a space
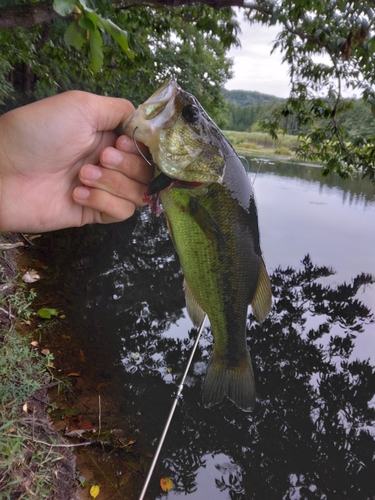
74, 374
82, 481
76, 427
31, 276
166, 484
25, 407
75, 433
34, 343
94, 491
47, 312
82, 356
117, 432
45, 351
134, 465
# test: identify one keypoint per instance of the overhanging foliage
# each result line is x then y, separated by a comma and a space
328, 47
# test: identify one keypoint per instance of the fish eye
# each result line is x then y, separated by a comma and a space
190, 113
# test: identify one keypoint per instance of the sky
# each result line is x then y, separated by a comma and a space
254, 67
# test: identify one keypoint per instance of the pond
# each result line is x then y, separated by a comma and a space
127, 338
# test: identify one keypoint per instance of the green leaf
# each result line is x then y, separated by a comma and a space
47, 313
63, 7
75, 35
83, 5
87, 22
96, 51
118, 34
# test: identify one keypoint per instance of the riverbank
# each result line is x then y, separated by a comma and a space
261, 143
35, 462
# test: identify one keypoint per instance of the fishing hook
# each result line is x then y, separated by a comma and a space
176, 399
139, 151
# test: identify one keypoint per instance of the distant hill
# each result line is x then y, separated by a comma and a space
246, 109
249, 97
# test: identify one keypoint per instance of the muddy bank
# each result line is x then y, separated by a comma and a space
90, 403
35, 460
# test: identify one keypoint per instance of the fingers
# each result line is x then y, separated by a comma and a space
127, 145
129, 164
113, 182
106, 207
118, 185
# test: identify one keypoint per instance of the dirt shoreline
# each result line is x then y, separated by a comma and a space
97, 442
43, 452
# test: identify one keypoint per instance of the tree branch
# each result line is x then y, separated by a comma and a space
216, 4
26, 15
29, 15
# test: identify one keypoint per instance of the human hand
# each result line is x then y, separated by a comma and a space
62, 165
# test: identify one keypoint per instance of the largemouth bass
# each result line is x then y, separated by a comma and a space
212, 219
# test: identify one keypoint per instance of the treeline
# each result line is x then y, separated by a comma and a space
247, 109
249, 97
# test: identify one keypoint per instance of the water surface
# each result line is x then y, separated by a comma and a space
311, 433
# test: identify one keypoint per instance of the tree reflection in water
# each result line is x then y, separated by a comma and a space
311, 434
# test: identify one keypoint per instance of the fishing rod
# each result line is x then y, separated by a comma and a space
170, 416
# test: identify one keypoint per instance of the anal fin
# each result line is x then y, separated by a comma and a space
262, 300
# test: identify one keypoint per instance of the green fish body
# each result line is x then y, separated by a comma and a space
212, 219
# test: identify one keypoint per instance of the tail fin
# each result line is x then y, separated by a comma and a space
237, 383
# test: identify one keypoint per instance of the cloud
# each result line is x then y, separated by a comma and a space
254, 67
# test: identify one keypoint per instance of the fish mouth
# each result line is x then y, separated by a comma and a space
157, 111
168, 90
159, 183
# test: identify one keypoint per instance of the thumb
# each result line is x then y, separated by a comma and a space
107, 112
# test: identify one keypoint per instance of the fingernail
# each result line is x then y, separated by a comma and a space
124, 143
91, 173
81, 193
111, 157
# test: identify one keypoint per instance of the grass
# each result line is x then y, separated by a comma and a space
21, 371
33, 461
262, 142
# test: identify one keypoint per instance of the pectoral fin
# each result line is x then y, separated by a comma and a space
262, 300
205, 220
196, 313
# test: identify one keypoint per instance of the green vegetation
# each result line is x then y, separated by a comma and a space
128, 48
357, 119
262, 142
248, 97
31, 457
40, 60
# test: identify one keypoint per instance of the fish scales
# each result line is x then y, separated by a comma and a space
212, 219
